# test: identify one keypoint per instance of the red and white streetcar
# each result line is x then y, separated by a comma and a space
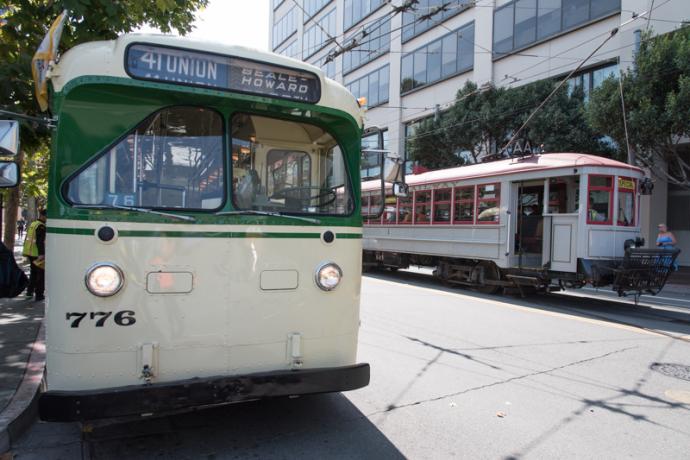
546, 221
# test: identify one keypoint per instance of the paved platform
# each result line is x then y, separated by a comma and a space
22, 360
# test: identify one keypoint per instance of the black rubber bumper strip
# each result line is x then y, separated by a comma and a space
156, 398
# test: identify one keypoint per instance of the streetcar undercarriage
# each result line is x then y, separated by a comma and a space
641, 271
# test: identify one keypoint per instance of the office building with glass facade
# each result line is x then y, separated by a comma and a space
410, 64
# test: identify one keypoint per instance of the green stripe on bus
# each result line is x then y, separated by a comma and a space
179, 234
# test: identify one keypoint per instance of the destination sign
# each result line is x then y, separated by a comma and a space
626, 183
194, 68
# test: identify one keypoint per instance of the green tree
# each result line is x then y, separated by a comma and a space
482, 121
24, 23
431, 146
657, 102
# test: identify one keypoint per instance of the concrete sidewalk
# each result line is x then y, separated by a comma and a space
22, 360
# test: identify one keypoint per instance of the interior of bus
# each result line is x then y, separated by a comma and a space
175, 159
287, 166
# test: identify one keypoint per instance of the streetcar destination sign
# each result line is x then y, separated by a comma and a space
150, 62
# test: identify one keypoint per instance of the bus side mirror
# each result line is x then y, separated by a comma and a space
9, 137
9, 174
400, 189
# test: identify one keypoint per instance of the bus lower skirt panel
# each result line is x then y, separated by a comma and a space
157, 398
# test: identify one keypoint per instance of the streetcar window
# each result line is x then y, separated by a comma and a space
488, 203
173, 159
442, 206
389, 210
599, 200
288, 166
405, 209
375, 204
563, 193
422, 207
626, 201
464, 205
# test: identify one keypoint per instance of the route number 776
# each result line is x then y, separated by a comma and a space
121, 318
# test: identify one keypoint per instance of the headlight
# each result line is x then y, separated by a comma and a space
104, 280
328, 276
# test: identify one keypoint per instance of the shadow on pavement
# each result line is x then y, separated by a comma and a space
672, 322
320, 426
20, 320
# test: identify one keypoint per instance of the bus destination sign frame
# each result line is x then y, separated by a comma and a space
209, 70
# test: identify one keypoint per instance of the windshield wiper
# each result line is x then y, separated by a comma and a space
252, 212
132, 208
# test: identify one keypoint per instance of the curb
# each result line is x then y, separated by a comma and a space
23, 408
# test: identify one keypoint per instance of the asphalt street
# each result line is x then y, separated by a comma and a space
455, 374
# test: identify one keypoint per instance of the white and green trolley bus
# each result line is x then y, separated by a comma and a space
204, 230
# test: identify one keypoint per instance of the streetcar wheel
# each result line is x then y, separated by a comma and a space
491, 272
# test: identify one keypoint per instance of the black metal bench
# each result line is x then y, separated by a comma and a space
643, 271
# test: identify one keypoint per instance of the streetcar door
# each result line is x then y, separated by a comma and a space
529, 228
561, 223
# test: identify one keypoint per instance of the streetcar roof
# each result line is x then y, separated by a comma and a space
518, 165
107, 58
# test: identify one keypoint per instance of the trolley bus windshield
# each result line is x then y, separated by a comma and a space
174, 159
287, 167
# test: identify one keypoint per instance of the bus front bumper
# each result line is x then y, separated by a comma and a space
183, 395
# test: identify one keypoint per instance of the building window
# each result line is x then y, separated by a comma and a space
626, 201
523, 22
442, 202
412, 26
600, 197
464, 205
370, 167
355, 10
373, 86
286, 26
410, 131
377, 41
449, 55
422, 207
592, 79
575, 12
548, 18
311, 7
276, 3
601, 7
319, 35
488, 203
503, 28
292, 50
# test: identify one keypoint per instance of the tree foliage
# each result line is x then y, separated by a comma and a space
482, 121
24, 23
657, 99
